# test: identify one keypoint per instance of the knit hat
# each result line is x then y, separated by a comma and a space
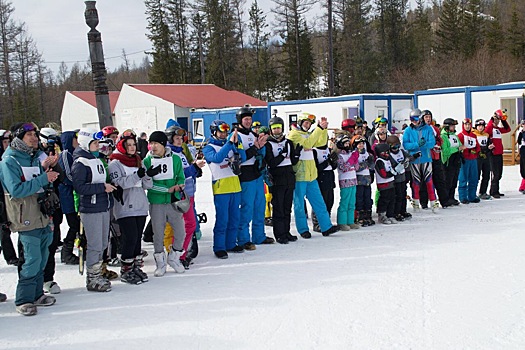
88, 135
158, 136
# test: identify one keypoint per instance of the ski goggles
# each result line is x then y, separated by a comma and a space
309, 117
179, 132
256, 124
276, 126
223, 127
395, 148
25, 128
128, 134
467, 121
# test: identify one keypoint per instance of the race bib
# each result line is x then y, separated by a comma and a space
166, 168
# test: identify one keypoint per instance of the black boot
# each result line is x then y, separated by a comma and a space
369, 218
193, 249
66, 255
362, 218
127, 272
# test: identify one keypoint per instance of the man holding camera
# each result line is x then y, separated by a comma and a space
24, 179
419, 140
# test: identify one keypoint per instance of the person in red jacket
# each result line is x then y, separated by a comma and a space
468, 174
496, 126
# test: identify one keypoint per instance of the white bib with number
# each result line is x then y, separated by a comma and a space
166, 168
98, 172
470, 142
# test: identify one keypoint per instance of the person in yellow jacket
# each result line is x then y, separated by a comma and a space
306, 174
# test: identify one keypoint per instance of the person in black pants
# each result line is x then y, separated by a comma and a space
6, 245
326, 163
280, 157
451, 156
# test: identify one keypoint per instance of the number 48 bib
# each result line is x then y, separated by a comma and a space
166, 168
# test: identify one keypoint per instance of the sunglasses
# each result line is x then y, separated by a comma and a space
381, 133
224, 127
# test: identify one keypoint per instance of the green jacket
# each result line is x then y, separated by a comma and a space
305, 170
159, 194
446, 148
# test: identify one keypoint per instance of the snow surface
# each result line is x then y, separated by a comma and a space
452, 280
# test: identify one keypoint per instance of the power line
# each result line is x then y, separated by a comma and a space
105, 58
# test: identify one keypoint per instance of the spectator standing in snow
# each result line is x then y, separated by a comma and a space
131, 204
280, 157
483, 158
306, 174
24, 179
224, 158
496, 127
168, 180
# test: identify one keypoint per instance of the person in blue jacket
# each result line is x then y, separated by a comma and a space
67, 200
24, 180
418, 140
253, 201
224, 157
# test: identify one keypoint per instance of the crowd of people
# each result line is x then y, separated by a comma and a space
107, 183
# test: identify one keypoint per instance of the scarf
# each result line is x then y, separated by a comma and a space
21, 146
126, 159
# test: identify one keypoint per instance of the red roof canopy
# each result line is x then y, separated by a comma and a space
89, 97
207, 96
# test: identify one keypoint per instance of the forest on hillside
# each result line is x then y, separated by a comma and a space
350, 46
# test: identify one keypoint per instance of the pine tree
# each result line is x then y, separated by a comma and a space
450, 30
420, 35
473, 28
495, 36
391, 18
176, 11
516, 34
165, 68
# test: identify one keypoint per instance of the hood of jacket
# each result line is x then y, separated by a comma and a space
67, 140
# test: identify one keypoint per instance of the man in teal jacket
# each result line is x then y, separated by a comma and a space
24, 179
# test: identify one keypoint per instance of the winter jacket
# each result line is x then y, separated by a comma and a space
384, 174
484, 142
250, 167
325, 167
366, 161
419, 138
158, 193
521, 143
347, 165
439, 141
495, 133
305, 169
191, 171
65, 161
89, 186
280, 160
217, 153
469, 139
134, 198
450, 146
21, 193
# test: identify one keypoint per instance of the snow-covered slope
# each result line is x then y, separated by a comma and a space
452, 280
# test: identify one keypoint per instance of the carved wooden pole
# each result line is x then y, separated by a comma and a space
98, 68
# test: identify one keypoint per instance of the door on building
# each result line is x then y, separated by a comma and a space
511, 105
292, 119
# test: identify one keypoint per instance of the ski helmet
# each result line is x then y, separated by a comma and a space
219, 125
243, 112
348, 124
305, 117
479, 122
174, 130
382, 150
123, 137
109, 130
341, 140
415, 114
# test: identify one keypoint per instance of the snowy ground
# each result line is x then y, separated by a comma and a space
452, 280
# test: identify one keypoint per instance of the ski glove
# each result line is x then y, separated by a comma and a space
421, 142
153, 171
297, 151
118, 194
141, 172
399, 168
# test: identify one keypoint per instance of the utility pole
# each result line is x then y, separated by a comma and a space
98, 68
331, 87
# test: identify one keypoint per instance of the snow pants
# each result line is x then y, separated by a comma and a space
253, 206
96, 227
496, 168
227, 216
346, 209
363, 198
131, 228
483, 174
35, 248
468, 180
160, 215
422, 176
282, 199
311, 190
